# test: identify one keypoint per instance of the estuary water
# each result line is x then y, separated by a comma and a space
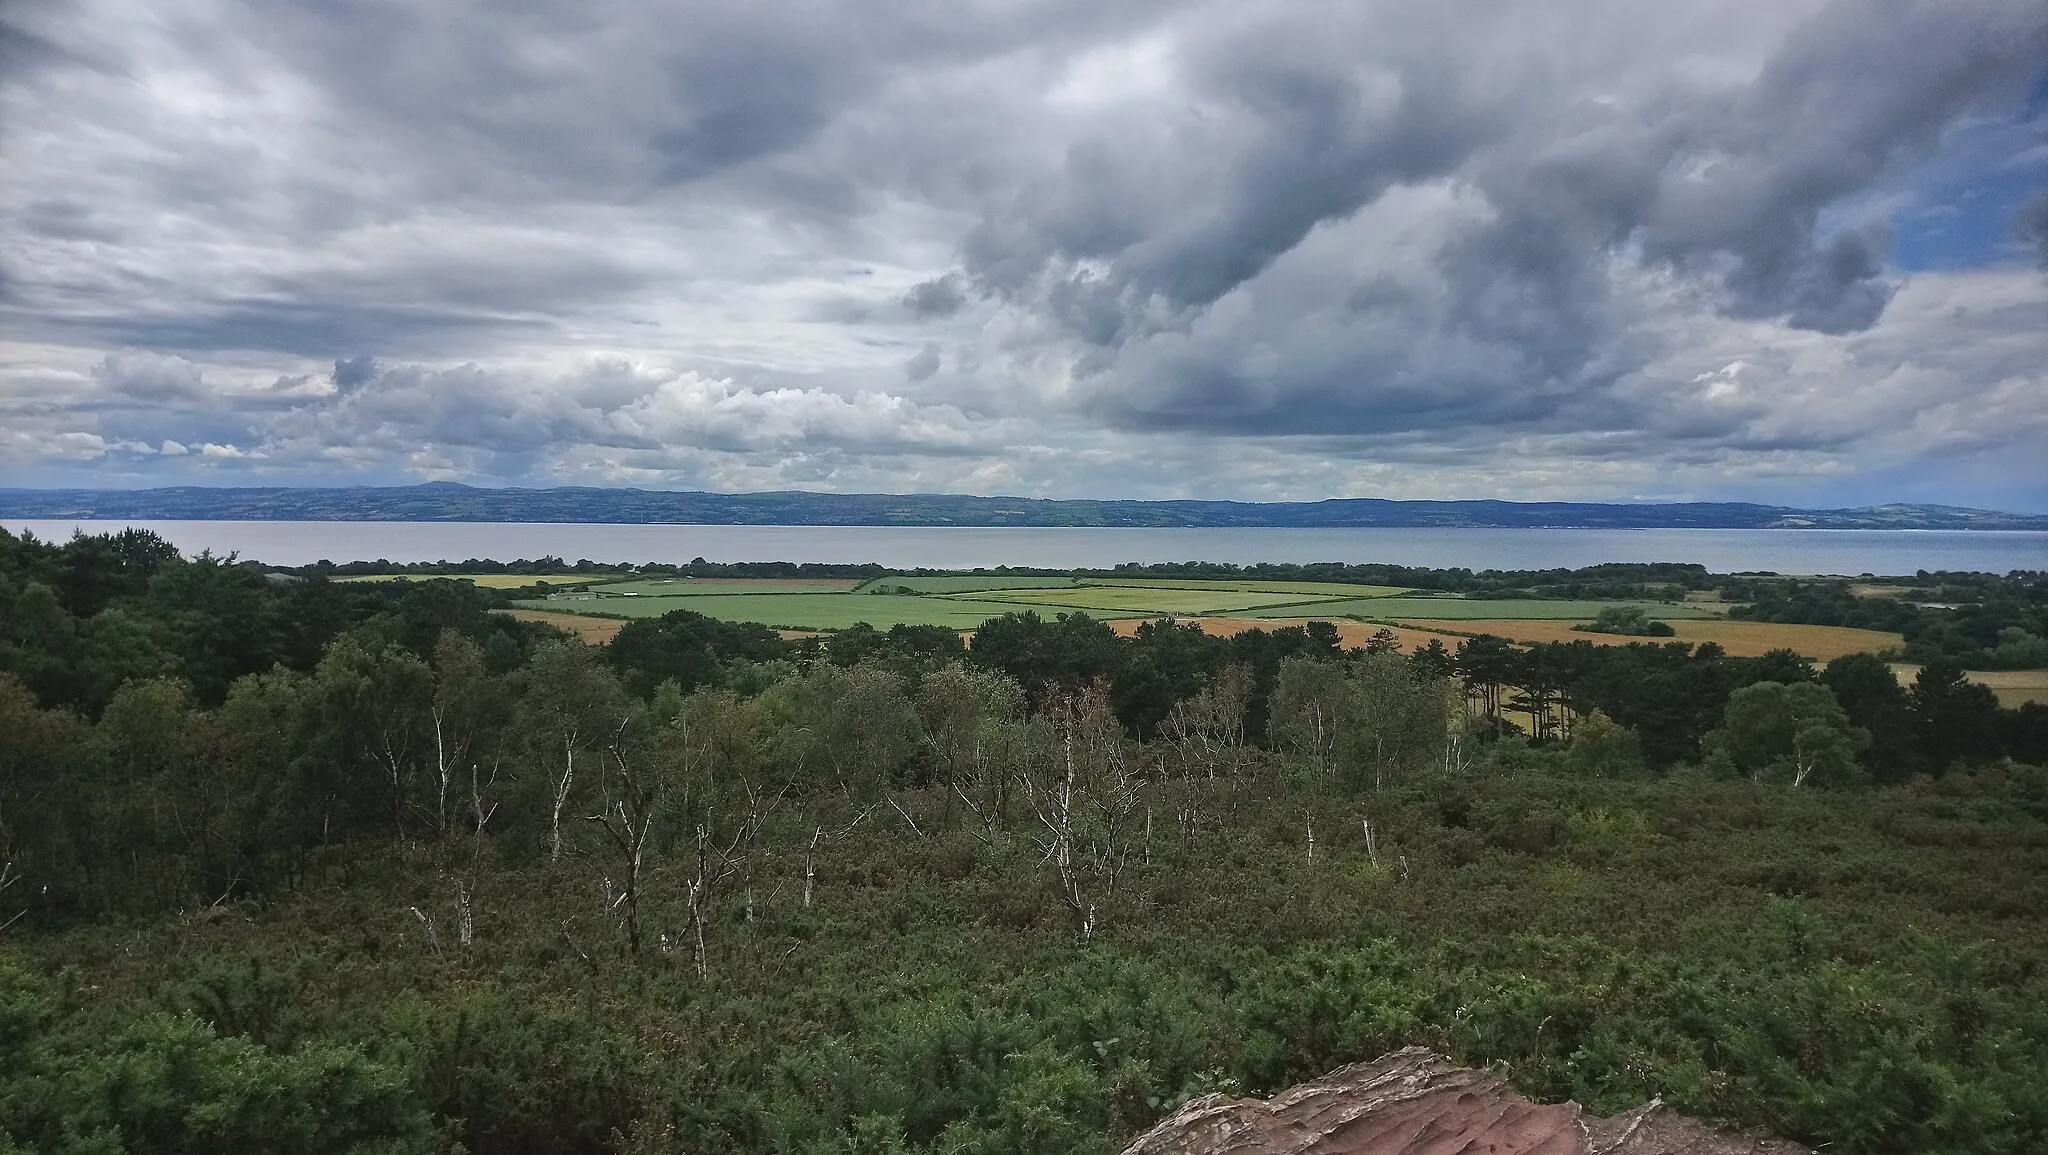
1788, 551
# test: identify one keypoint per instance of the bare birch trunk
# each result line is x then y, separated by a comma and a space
562, 786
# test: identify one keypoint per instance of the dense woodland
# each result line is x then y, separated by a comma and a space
299, 865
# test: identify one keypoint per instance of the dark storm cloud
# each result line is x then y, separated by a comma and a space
23, 50
537, 118
616, 98
938, 297
1724, 185
353, 372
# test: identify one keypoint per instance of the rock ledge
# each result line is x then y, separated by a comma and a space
1414, 1102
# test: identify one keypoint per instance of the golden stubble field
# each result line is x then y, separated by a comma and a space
1354, 634
1740, 639
596, 631
2013, 687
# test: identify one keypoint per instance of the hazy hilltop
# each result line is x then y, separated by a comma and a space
445, 501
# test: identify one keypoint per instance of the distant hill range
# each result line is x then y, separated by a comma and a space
443, 501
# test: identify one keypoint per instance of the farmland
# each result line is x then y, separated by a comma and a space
1739, 639
593, 630
1352, 633
2014, 688
964, 601
493, 581
1131, 600
1453, 608
799, 611
1253, 585
702, 587
964, 583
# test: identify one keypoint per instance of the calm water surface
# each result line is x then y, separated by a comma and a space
1721, 550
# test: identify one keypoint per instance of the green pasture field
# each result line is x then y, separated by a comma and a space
965, 601
491, 581
964, 583
729, 587
1253, 585
1129, 600
1474, 609
833, 611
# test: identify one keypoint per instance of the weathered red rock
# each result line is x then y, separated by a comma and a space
1415, 1102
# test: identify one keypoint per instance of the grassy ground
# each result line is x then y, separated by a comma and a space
964, 583
1306, 589
965, 601
1126, 599
1449, 609
828, 611
1868, 590
693, 587
1740, 639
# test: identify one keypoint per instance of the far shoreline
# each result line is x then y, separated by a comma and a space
1813, 552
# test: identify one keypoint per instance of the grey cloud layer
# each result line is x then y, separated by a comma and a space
1057, 247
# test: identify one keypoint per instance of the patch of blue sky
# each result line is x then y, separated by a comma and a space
1955, 210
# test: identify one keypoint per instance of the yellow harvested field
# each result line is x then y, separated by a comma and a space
1753, 639
596, 631
2013, 687
1740, 639
1353, 633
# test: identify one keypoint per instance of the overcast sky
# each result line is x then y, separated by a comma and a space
1605, 249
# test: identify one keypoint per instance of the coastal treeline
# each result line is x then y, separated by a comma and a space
296, 864
1976, 620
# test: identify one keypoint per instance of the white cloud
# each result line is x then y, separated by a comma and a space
151, 377
1169, 247
21, 447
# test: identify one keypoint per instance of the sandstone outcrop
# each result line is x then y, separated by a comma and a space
1415, 1102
